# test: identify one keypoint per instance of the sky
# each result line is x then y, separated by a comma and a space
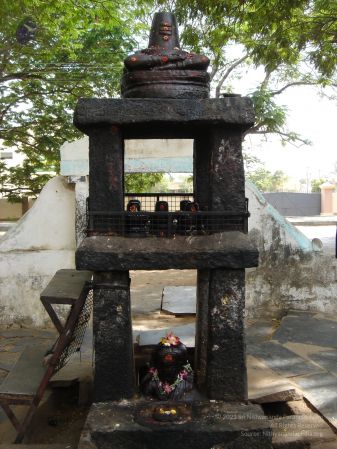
314, 118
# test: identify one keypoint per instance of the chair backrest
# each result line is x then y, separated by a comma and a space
70, 340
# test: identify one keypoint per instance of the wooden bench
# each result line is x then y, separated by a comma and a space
26, 382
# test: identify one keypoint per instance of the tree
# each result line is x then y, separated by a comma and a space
52, 53
141, 182
316, 183
294, 42
267, 181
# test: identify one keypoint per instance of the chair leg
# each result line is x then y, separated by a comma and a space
25, 423
11, 416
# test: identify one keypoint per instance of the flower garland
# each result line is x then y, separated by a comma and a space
164, 387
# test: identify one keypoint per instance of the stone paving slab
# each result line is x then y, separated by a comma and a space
321, 391
24, 333
7, 360
266, 386
19, 344
3, 374
326, 359
260, 330
300, 431
304, 350
179, 300
307, 329
280, 359
185, 332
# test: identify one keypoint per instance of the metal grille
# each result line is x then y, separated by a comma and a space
163, 224
148, 200
78, 333
144, 222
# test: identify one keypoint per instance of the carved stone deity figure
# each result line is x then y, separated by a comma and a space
170, 374
163, 69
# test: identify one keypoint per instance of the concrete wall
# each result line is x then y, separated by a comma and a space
12, 211
151, 155
291, 204
291, 274
9, 211
41, 242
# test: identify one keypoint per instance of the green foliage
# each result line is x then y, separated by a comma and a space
274, 33
316, 183
294, 41
141, 182
267, 181
76, 51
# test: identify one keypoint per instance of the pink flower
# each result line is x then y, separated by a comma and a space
167, 388
153, 370
183, 374
172, 339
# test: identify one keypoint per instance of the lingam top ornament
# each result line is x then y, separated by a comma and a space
163, 70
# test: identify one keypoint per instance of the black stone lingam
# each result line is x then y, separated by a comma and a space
163, 70
170, 375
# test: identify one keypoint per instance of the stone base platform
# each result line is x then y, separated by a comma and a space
198, 425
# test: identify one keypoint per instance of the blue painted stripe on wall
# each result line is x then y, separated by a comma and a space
164, 165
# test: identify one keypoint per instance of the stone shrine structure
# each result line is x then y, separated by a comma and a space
167, 103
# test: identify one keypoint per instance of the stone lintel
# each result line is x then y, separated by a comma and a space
129, 424
231, 250
93, 112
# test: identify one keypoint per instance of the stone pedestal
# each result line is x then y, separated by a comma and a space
204, 425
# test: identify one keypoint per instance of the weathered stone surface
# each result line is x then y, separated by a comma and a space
302, 428
260, 330
201, 169
300, 431
114, 365
106, 169
179, 300
321, 391
218, 165
8, 360
225, 250
281, 360
266, 386
227, 179
201, 336
226, 375
326, 359
186, 333
157, 111
129, 425
306, 329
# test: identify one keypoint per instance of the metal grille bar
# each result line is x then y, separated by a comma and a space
148, 219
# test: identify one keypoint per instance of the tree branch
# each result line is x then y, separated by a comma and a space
289, 137
227, 73
294, 83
